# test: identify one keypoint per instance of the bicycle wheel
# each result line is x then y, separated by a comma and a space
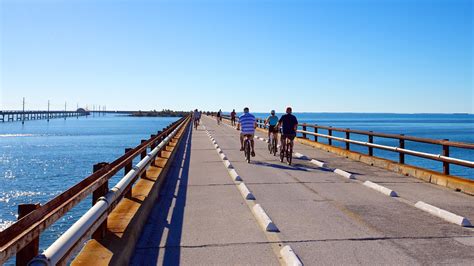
270, 148
282, 154
289, 153
274, 144
247, 151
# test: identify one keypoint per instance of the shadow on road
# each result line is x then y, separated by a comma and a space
153, 239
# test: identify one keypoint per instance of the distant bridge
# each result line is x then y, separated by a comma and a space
12, 116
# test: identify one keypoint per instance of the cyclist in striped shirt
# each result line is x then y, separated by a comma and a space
247, 124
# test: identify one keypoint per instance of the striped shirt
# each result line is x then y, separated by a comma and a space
247, 123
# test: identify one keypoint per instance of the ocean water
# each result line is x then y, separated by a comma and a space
39, 160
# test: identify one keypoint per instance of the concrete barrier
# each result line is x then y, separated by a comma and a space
318, 163
344, 173
380, 189
263, 219
300, 156
446, 215
227, 164
234, 175
245, 192
290, 257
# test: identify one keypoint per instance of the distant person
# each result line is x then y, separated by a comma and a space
247, 124
219, 117
196, 118
232, 117
289, 125
272, 122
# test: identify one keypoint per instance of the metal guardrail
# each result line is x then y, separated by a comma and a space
400, 149
22, 234
92, 219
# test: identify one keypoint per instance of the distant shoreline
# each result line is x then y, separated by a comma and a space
163, 113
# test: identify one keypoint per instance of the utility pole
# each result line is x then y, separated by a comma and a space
48, 111
65, 110
99, 110
23, 114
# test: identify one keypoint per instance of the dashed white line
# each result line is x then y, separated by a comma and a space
446, 215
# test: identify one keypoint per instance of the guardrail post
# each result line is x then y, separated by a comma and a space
304, 129
446, 164
348, 136
371, 140
401, 156
142, 156
329, 139
99, 192
316, 132
127, 169
32, 249
153, 145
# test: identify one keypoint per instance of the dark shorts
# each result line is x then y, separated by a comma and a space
290, 136
273, 129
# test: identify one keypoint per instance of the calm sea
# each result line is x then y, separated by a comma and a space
39, 160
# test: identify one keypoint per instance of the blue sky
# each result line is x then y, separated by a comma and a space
321, 56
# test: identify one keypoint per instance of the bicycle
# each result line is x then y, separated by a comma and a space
272, 144
287, 152
247, 147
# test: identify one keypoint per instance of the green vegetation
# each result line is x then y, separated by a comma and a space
162, 113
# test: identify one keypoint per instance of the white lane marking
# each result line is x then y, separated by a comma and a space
234, 175
380, 189
286, 254
222, 155
245, 192
263, 219
446, 215
344, 173
300, 156
290, 257
318, 163
227, 164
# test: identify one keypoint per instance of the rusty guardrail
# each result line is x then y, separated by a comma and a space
443, 157
26, 231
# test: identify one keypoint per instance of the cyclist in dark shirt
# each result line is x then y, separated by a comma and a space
232, 117
288, 124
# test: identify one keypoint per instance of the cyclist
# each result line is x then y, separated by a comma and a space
197, 117
272, 122
219, 117
232, 117
289, 125
247, 124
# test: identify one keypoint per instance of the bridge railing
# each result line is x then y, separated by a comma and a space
316, 131
24, 234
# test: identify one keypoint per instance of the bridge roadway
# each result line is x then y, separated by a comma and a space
201, 217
